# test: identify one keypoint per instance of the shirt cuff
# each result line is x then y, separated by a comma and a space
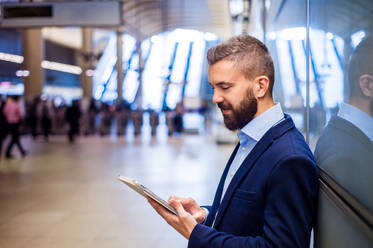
207, 213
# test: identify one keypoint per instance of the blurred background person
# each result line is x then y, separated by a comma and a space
105, 119
92, 112
13, 115
33, 117
46, 120
178, 119
122, 109
154, 121
73, 115
3, 125
84, 120
60, 116
170, 116
137, 120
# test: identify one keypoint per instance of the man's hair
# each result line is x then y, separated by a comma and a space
361, 62
249, 55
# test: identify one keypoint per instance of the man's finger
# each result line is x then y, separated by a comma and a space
175, 198
164, 213
178, 207
160, 209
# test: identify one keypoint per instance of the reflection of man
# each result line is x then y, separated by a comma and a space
345, 148
266, 196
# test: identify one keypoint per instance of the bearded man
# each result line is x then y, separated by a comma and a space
267, 193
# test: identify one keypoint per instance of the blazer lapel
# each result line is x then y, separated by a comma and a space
219, 191
250, 160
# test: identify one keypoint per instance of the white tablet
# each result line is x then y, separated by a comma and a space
142, 190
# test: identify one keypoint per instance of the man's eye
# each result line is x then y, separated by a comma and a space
225, 87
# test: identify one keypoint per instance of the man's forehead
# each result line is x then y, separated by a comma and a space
225, 71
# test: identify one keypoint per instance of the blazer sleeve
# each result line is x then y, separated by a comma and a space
290, 201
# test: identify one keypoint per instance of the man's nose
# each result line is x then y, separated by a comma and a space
216, 98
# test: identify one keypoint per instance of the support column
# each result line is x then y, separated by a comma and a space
87, 50
33, 52
119, 65
138, 99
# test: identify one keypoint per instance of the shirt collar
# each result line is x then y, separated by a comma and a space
258, 126
357, 117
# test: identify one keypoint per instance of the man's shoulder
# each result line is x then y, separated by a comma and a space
342, 143
340, 135
290, 143
287, 148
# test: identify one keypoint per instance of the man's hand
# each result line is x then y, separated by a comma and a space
185, 222
193, 208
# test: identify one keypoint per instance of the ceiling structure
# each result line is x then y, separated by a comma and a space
144, 18
341, 17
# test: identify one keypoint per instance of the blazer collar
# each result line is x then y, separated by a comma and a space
262, 145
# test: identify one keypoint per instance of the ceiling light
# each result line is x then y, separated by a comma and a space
11, 58
73, 69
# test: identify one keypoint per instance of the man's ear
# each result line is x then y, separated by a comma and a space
366, 85
261, 86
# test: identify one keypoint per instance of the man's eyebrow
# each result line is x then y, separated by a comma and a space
219, 83
223, 82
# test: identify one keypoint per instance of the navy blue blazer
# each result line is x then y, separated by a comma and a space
271, 200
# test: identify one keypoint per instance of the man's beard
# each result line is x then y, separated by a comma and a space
245, 112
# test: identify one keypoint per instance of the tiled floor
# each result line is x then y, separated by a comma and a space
65, 195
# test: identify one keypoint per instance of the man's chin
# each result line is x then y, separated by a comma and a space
226, 117
229, 124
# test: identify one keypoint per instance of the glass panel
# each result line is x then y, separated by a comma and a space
285, 39
195, 71
341, 123
157, 53
286, 73
105, 68
131, 81
152, 78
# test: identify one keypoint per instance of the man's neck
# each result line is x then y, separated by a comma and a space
263, 106
363, 105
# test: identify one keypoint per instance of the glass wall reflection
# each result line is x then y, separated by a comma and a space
344, 147
340, 102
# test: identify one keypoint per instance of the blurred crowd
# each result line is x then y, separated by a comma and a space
42, 117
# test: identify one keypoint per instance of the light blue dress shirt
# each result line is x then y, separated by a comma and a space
357, 117
249, 135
